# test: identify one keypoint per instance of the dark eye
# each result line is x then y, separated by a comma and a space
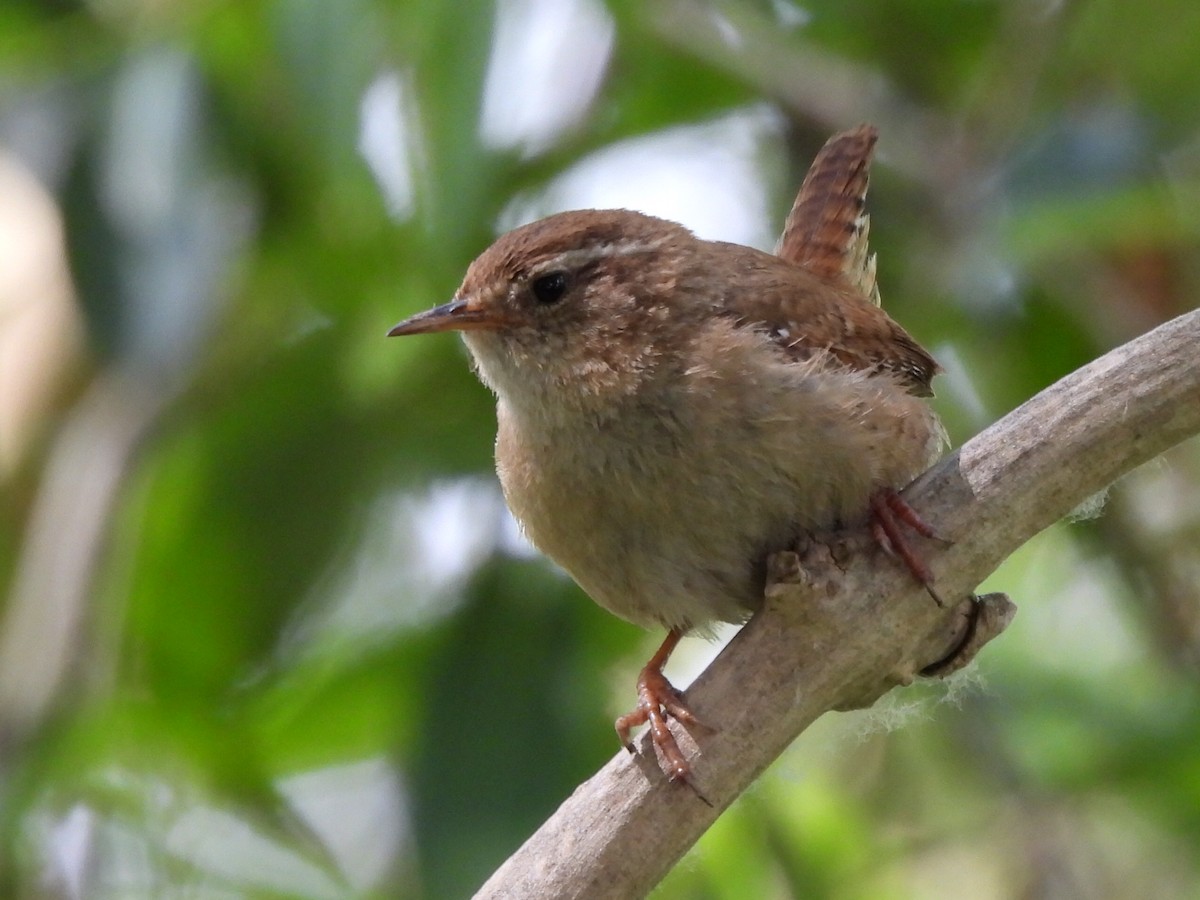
550, 288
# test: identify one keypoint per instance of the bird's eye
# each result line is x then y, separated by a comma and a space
550, 288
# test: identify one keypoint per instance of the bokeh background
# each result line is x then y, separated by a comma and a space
266, 628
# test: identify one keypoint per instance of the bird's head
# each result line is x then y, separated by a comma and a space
576, 305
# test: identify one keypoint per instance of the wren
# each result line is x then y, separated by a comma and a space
672, 410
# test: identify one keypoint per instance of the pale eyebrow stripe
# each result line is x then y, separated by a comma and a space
573, 258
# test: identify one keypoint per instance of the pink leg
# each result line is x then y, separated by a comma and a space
658, 699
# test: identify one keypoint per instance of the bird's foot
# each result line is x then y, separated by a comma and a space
889, 511
659, 700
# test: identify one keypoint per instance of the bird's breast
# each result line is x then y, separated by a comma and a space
664, 508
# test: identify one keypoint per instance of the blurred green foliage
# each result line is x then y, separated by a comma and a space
266, 631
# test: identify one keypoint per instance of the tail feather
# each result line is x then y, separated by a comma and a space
827, 229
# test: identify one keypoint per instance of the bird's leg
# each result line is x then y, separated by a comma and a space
888, 512
658, 699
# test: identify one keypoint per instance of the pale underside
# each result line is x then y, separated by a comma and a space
665, 513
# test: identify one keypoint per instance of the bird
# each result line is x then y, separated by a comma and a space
672, 410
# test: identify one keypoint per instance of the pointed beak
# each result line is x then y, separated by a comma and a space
457, 315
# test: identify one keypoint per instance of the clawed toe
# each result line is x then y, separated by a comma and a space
656, 703
888, 512
659, 700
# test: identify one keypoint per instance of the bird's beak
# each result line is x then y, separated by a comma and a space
457, 315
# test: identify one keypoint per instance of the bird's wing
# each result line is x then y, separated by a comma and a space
806, 315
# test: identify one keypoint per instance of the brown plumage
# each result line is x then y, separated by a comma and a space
824, 313
827, 228
672, 410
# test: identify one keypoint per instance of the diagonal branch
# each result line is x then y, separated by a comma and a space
835, 635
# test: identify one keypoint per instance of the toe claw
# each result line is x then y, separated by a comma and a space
888, 512
659, 700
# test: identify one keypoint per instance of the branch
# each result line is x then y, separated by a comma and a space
839, 629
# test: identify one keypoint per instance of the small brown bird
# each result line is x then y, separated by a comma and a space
672, 410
